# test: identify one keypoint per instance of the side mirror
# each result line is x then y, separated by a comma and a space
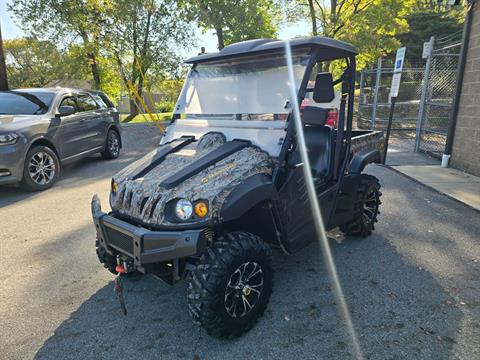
66, 110
323, 91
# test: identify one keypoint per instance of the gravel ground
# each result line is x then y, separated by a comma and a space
412, 287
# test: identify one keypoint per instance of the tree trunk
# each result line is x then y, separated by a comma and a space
133, 110
95, 71
3, 67
313, 17
221, 42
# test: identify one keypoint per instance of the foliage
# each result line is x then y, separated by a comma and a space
440, 6
368, 24
65, 22
35, 63
141, 36
425, 24
234, 21
170, 87
165, 106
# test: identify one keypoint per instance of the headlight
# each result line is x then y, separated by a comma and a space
183, 209
8, 138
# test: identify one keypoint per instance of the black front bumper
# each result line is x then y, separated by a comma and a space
142, 245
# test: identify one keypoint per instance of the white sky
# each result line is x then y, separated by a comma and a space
10, 30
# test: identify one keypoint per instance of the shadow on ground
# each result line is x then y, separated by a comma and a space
398, 309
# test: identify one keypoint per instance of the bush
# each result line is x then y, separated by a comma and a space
165, 106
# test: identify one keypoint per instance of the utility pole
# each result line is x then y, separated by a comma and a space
3, 67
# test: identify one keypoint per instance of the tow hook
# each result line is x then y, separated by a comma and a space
124, 265
118, 288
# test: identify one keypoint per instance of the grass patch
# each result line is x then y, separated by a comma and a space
141, 118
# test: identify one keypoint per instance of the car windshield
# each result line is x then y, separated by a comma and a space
25, 102
249, 88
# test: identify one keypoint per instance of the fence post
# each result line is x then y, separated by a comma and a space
360, 95
423, 98
377, 89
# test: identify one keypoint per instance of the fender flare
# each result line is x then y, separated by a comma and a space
46, 141
362, 159
245, 196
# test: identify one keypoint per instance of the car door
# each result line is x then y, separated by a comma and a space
106, 113
70, 127
92, 122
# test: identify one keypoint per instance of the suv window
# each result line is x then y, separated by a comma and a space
69, 101
86, 103
99, 101
106, 100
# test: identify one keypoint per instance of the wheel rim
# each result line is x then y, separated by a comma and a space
370, 206
113, 144
244, 289
41, 168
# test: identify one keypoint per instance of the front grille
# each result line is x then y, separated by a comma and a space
120, 240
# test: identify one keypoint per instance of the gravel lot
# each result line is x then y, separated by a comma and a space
412, 287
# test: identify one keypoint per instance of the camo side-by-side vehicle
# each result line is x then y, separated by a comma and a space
226, 183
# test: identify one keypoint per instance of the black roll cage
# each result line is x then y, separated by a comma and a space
343, 136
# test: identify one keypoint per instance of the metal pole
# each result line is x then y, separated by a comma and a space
360, 95
377, 90
389, 128
423, 98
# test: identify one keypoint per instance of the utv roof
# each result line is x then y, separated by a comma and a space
330, 49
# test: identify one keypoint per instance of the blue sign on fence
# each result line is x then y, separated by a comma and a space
399, 60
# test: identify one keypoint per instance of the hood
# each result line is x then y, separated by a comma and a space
206, 169
17, 122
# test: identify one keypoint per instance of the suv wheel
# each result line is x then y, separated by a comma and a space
366, 205
231, 285
112, 145
41, 169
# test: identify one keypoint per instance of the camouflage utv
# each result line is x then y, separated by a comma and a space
225, 186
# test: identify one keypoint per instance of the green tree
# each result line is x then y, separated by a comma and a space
434, 6
142, 36
66, 21
425, 24
234, 21
35, 63
371, 25
32, 62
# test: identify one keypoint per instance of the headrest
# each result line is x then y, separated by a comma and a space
313, 115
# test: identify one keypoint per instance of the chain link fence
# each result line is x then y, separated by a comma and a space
374, 102
424, 103
441, 73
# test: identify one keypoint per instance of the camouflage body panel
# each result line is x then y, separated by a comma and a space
143, 198
368, 140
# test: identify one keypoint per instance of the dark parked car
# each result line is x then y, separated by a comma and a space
42, 129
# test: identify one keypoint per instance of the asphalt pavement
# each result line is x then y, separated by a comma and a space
412, 287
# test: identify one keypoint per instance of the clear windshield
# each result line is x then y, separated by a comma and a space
253, 88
